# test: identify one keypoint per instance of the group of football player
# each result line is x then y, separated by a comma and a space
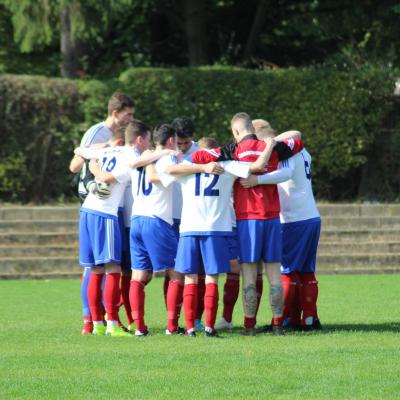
156, 201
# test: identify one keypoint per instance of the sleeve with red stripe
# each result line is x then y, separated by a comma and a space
223, 153
288, 148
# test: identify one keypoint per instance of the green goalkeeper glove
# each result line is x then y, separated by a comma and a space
100, 189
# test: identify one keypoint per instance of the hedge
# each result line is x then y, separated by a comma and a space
343, 116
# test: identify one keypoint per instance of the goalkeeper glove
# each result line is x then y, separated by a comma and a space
100, 189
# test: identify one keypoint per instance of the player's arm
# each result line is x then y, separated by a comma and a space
223, 153
259, 164
188, 169
149, 157
103, 176
76, 164
284, 172
284, 136
288, 148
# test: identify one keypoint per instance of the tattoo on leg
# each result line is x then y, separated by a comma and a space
276, 300
250, 300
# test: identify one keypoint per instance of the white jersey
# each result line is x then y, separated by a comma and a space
116, 161
98, 133
296, 195
153, 199
177, 203
206, 200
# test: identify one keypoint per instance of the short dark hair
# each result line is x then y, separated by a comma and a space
135, 129
184, 127
207, 142
162, 133
119, 101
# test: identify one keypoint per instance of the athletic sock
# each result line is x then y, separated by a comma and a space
295, 314
201, 294
190, 297
112, 294
231, 294
211, 304
309, 295
84, 294
289, 283
95, 296
174, 304
249, 322
137, 299
166, 283
125, 288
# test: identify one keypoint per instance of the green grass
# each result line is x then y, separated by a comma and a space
42, 354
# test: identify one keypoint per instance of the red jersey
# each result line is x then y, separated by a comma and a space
261, 201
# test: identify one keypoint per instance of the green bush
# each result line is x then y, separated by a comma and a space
342, 115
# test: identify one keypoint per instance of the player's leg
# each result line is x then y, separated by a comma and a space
87, 318
272, 254
188, 261
141, 275
174, 300
126, 277
250, 236
291, 284
259, 283
200, 304
211, 298
232, 284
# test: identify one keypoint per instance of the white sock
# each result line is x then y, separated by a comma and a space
112, 323
98, 323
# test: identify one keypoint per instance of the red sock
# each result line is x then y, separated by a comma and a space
190, 297
174, 303
289, 283
200, 301
231, 293
259, 291
112, 294
295, 314
309, 295
249, 322
137, 298
211, 304
95, 296
125, 287
166, 283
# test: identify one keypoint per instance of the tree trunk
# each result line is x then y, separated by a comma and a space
70, 65
196, 32
256, 28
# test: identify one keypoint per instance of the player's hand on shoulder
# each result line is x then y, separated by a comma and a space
213, 168
269, 141
249, 182
100, 189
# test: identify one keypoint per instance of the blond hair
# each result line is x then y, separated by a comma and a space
263, 128
207, 143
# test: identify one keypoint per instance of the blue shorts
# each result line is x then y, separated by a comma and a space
300, 242
233, 246
175, 226
126, 250
196, 251
153, 244
259, 239
99, 239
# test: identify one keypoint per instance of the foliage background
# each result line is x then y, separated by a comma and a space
349, 120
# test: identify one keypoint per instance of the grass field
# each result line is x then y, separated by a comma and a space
357, 355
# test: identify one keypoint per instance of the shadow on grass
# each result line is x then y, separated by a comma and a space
384, 327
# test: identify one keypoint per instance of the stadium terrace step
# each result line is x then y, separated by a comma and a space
39, 213
359, 247
359, 210
362, 222
362, 235
37, 265
38, 226
330, 269
39, 238
39, 251
359, 260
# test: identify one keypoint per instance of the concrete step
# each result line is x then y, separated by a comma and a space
39, 251
39, 238
362, 222
358, 210
331, 269
362, 235
355, 260
359, 247
38, 226
39, 213
39, 265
